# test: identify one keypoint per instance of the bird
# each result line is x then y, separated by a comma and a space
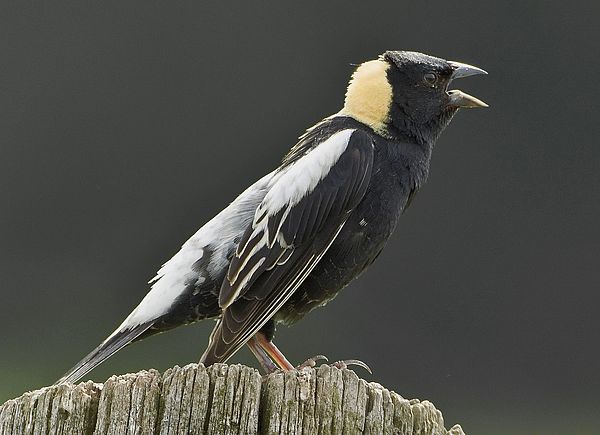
292, 240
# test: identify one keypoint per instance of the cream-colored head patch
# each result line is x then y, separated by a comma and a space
369, 95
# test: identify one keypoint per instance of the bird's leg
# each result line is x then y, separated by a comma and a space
271, 350
271, 358
262, 356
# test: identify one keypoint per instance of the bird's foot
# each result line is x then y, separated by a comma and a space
312, 362
343, 364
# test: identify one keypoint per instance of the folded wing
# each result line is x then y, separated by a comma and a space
307, 203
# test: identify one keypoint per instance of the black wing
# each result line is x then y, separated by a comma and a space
283, 245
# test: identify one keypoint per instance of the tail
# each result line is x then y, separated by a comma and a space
115, 342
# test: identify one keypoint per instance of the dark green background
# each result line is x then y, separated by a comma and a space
125, 127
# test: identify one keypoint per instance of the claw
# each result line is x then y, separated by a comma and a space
312, 362
344, 364
352, 362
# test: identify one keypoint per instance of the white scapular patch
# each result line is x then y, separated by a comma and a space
289, 186
219, 234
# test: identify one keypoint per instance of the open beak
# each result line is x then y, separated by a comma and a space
459, 98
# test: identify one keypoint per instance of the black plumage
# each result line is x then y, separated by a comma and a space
296, 237
309, 228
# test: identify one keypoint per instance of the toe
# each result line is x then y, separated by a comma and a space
352, 362
312, 362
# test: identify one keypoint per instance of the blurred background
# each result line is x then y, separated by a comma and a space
125, 127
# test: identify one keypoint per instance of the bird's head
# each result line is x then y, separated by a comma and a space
406, 93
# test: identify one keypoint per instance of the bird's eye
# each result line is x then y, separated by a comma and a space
430, 78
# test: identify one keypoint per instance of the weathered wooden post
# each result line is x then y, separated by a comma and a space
222, 400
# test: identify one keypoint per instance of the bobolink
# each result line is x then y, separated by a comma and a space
297, 236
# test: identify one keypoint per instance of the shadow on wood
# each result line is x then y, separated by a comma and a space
222, 400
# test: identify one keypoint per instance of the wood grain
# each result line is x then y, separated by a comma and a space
222, 399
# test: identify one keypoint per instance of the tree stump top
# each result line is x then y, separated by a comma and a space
222, 399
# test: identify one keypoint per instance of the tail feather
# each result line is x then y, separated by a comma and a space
117, 341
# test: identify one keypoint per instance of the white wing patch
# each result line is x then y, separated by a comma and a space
219, 233
271, 193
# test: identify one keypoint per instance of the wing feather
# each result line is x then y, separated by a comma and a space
294, 238
246, 316
286, 197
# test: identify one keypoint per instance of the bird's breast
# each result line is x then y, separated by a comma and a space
361, 240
